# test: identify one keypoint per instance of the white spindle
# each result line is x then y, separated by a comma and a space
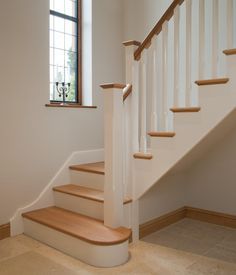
188, 52
176, 54
135, 106
202, 41
215, 37
154, 86
143, 138
230, 7
164, 74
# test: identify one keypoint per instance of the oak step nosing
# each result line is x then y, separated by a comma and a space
161, 134
94, 168
144, 156
230, 51
215, 81
185, 109
78, 226
92, 197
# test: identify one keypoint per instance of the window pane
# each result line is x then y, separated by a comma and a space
63, 48
58, 57
70, 8
70, 27
70, 43
59, 40
59, 6
59, 24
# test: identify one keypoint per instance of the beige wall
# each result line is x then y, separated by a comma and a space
140, 16
35, 141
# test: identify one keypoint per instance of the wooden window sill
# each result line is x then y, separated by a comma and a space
69, 105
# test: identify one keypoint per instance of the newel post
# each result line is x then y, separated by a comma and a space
113, 143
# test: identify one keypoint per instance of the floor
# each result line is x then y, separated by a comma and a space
188, 248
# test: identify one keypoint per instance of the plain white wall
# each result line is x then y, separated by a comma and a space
35, 141
140, 16
211, 183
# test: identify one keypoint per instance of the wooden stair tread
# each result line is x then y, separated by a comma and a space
230, 51
185, 110
84, 192
161, 134
96, 168
212, 81
79, 226
144, 156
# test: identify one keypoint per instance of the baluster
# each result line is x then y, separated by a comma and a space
143, 138
202, 41
215, 37
164, 74
188, 99
176, 55
230, 7
154, 48
135, 106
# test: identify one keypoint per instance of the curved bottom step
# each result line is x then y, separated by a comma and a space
105, 248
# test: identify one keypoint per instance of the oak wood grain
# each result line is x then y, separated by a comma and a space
95, 168
84, 192
79, 226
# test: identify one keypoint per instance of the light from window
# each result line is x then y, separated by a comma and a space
64, 49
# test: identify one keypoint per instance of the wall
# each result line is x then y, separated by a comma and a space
140, 16
211, 181
35, 141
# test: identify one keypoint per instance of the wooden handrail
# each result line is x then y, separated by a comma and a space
157, 29
127, 91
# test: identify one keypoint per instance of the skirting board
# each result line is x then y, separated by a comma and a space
4, 231
161, 222
186, 212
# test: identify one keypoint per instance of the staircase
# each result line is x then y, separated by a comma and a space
172, 102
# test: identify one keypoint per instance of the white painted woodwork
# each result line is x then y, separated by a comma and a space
113, 140
188, 89
135, 107
215, 38
217, 102
230, 7
88, 207
153, 118
86, 179
143, 103
176, 54
201, 57
165, 75
99, 256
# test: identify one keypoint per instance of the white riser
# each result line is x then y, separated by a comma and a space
87, 207
99, 256
90, 180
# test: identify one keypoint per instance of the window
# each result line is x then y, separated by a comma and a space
65, 51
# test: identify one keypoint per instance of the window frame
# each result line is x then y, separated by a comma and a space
78, 21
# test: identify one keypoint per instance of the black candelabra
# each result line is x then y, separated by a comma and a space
63, 90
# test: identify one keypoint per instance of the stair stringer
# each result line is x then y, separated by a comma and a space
216, 103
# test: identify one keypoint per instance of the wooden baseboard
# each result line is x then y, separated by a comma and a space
187, 212
211, 217
5, 231
161, 222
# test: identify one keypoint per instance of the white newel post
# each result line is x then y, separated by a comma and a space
129, 120
131, 107
113, 139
